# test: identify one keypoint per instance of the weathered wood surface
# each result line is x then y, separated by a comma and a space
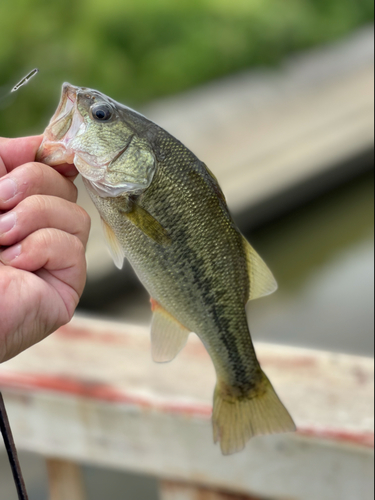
91, 394
271, 131
65, 480
265, 130
170, 490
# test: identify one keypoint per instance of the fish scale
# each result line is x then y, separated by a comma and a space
164, 211
187, 270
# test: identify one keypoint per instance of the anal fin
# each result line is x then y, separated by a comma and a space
168, 336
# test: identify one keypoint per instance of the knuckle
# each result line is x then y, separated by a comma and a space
37, 172
33, 212
32, 174
46, 237
80, 248
42, 179
54, 239
86, 220
35, 204
74, 191
82, 224
70, 241
77, 250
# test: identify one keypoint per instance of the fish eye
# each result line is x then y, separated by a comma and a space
101, 112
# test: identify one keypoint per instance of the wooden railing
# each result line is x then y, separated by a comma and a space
91, 394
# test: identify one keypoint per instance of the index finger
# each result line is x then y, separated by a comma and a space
16, 152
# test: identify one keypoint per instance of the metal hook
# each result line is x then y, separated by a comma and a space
25, 80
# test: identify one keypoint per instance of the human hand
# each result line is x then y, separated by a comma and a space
43, 270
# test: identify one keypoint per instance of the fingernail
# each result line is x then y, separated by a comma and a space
7, 222
10, 254
8, 189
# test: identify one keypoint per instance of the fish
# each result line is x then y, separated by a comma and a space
163, 210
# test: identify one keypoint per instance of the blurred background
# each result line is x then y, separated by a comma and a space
276, 97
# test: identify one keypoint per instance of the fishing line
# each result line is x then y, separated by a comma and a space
12, 452
4, 420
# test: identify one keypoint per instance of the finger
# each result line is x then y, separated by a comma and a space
60, 253
15, 152
67, 170
31, 179
39, 212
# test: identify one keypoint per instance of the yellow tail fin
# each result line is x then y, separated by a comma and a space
238, 419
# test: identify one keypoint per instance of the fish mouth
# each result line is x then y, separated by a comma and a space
64, 125
67, 101
59, 147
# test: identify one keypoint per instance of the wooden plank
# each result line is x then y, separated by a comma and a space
90, 393
170, 490
275, 128
65, 480
111, 362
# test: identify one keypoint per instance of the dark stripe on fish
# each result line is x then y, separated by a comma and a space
206, 287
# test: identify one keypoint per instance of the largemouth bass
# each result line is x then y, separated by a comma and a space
164, 211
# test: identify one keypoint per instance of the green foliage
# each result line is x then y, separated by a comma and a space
136, 50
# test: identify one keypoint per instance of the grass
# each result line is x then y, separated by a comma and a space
137, 50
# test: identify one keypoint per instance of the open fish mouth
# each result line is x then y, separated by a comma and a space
64, 126
67, 102
112, 162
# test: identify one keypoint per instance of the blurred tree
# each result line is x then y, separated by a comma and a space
141, 49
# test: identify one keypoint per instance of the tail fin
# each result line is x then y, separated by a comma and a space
238, 419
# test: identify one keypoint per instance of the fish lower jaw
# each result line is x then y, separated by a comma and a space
52, 153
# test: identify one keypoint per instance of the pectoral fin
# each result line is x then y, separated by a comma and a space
113, 245
262, 281
168, 336
148, 224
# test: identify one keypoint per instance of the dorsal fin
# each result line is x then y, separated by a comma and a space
168, 336
262, 281
113, 245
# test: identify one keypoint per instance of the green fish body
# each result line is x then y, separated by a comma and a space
164, 211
